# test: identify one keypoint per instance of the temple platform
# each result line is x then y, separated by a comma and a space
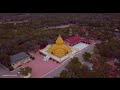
75, 49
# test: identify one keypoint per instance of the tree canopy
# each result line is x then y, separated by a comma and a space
86, 56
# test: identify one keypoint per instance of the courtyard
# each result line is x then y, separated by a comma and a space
41, 67
80, 46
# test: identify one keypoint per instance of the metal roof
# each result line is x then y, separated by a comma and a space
18, 57
73, 39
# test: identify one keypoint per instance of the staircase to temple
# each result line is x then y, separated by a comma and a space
46, 58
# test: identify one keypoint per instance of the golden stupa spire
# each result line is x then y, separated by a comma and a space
59, 49
59, 40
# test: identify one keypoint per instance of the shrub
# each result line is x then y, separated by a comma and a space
25, 71
86, 56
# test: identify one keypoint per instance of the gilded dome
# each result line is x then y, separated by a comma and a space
59, 49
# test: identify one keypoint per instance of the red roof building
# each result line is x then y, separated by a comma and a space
88, 41
82, 39
73, 40
76, 39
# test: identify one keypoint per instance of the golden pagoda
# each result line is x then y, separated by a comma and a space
59, 49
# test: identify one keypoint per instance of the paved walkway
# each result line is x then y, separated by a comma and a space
41, 67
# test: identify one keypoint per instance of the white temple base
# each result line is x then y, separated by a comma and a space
75, 49
46, 58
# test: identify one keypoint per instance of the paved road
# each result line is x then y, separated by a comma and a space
62, 67
5, 73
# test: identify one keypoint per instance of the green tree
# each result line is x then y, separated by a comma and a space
64, 74
84, 71
86, 56
21, 48
102, 60
101, 70
97, 74
73, 68
25, 71
96, 50
5, 59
